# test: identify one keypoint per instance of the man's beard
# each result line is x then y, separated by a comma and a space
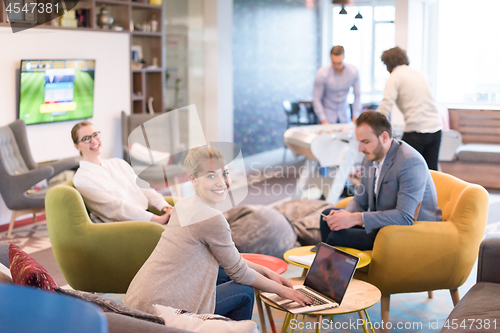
378, 153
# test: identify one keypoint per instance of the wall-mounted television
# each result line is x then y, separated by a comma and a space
56, 90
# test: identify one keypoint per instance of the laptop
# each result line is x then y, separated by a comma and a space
326, 282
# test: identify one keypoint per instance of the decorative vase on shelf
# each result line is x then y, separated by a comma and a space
154, 24
104, 19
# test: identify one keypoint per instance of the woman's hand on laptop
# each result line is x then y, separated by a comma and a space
277, 278
265, 283
270, 274
294, 295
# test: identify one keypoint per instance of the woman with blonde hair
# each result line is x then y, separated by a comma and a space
182, 270
108, 186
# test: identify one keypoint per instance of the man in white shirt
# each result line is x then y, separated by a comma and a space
409, 90
331, 87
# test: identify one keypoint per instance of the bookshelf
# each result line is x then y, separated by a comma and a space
135, 18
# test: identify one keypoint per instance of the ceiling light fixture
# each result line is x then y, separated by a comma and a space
354, 28
343, 11
358, 15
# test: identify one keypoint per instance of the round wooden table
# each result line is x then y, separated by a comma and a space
359, 296
364, 258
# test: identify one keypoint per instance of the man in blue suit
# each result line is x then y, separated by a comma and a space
396, 188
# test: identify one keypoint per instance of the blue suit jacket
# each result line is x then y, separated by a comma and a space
404, 182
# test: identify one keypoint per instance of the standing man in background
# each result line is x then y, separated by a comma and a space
409, 90
331, 87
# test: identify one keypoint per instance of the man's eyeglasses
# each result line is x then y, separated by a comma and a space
88, 138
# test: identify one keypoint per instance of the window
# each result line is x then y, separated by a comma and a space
363, 47
468, 70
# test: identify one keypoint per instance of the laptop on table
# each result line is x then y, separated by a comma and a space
326, 281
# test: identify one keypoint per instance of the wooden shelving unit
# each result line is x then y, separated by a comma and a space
148, 82
145, 5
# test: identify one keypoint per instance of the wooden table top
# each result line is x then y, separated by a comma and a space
364, 258
360, 295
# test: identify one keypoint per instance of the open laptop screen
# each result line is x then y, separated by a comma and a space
331, 272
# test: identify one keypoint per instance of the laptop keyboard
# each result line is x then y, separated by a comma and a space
316, 300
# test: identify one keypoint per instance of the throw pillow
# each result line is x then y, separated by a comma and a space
108, 305
5, 276
27, 272
260, 229
204, 323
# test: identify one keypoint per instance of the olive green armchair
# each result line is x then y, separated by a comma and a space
429, 256
96, 257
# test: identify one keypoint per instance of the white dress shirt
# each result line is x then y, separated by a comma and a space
330, 94
378, 168
408, 89
110, 191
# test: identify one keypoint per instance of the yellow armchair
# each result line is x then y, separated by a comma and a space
428, 256
96, 257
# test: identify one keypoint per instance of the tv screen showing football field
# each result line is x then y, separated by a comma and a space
56, 90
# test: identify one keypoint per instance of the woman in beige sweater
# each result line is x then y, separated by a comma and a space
182, 270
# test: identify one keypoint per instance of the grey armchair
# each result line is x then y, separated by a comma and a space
19, 172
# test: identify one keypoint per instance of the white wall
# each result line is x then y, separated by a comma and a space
112, 87
401, 23
326, 23
207, 26
417, 41
218, 110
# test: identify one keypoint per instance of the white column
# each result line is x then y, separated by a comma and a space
417, 32
218, 111
432, 44
401, 23
326, 21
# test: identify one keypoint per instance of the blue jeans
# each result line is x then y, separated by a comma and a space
233, 300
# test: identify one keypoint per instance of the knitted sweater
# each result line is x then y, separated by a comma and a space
408, 89
182, 270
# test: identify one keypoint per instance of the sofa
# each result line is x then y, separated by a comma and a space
118, 323
482, 302
477, 155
